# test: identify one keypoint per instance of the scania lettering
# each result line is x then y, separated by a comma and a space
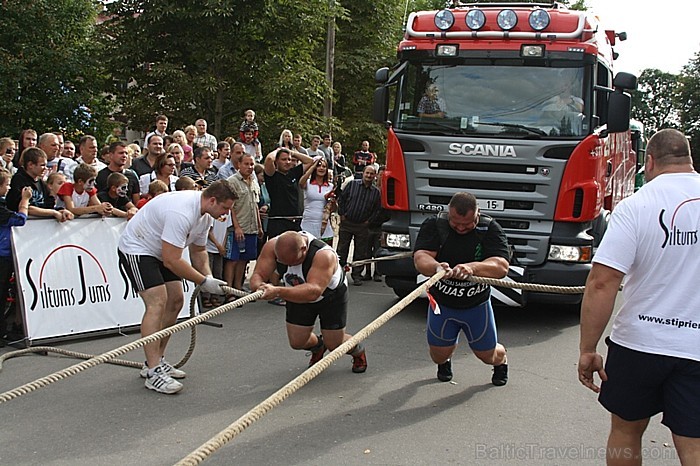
515, 103
482, 149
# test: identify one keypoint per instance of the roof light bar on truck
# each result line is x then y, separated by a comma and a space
479, 34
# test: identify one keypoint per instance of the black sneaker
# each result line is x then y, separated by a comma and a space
444, 373
500, 375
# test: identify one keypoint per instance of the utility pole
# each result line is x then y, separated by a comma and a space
330, 61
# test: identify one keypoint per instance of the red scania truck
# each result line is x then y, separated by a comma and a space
515, 103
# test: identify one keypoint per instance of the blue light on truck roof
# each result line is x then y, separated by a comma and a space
507, 19
539, 19
475, 19
444, 19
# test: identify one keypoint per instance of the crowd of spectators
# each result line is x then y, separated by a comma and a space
326, 192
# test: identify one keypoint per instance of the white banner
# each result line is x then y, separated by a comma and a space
69, 279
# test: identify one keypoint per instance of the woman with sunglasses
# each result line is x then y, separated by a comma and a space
163, 170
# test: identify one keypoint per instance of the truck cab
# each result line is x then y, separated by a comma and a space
515, 103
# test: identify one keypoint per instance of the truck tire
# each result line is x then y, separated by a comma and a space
599, 226
402, 292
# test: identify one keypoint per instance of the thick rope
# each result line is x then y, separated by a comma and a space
501, 283
110, 355
401, 255
120, 362
228, 434
47, 349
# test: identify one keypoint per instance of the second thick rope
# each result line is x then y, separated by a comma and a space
233, 430
110, 355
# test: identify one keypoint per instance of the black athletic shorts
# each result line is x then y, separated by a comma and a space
145, 272
641, 385
332, 311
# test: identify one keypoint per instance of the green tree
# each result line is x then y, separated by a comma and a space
50, 77
365, 41
215, 58
689, 104
654, 103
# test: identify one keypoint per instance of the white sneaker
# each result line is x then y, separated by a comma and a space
169, 369
162, 382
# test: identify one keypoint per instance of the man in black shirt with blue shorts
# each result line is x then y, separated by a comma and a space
462, 243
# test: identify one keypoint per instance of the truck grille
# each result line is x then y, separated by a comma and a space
522, 187
474, 184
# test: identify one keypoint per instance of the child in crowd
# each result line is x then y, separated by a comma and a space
9, 219
54, 183
249, 124
154, 188
80, 197
117, 195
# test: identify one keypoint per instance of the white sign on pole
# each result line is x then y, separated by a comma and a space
69, 279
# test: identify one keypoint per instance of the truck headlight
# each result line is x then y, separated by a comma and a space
569, 253
395, 240
539, 20
444, 19
507, 19
475, 19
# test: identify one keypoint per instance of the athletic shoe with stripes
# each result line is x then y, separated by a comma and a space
162, 382
171, 370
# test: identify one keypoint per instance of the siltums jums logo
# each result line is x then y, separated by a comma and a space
673, 235
69, 276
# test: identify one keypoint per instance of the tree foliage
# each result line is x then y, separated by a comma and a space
688, 101
50, 77
654, 103
365, 41
213, 59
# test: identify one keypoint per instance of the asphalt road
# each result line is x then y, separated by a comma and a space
397, 413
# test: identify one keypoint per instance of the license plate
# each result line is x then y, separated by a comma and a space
490, 204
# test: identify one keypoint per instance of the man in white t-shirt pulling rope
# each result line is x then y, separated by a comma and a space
150, 251
653, 359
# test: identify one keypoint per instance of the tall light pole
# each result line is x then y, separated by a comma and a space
330, 61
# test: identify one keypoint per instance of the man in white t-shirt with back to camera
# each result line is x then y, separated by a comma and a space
653, 359
150, 251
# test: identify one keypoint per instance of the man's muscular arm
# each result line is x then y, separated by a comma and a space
264, 267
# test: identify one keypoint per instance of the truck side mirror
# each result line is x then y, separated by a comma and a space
619, 108
626, 81
380, 106
620, 102
382, 75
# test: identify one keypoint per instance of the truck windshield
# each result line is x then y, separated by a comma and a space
508, 101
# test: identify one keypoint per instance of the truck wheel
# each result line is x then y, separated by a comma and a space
600, 224
402, 292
